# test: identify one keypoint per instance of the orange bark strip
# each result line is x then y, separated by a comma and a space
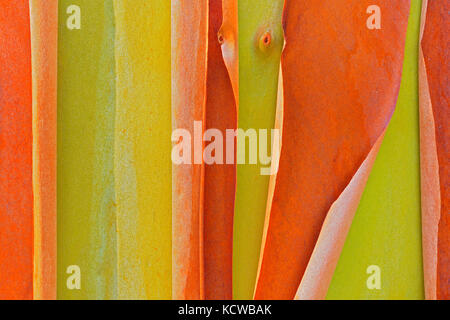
16, 192
341, 81
220, 179
429, 167
435, 134
44, 38
189, 65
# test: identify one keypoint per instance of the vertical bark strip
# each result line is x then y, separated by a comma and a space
260, 44
142, 149
16, 189
220, 178
86, 126
341, 83
189, 66
44, 48
435, 134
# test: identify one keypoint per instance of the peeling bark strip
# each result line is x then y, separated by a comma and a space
189, 66
44, 48
339, 95
16, 189
434, 63
385, 234
220, 179
337, 223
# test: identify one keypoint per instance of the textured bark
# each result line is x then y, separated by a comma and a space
339, 95
220, 179
16, 189
86, 122
385, 232
435, 151
260, 45
44, 47
189, 65
142, 149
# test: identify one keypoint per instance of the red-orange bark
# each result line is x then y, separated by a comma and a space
44, 39
435, 48
220, 179
341, 82
189, 63
16, 192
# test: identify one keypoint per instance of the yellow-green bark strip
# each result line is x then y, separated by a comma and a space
86, 109
142, 159
258, 80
